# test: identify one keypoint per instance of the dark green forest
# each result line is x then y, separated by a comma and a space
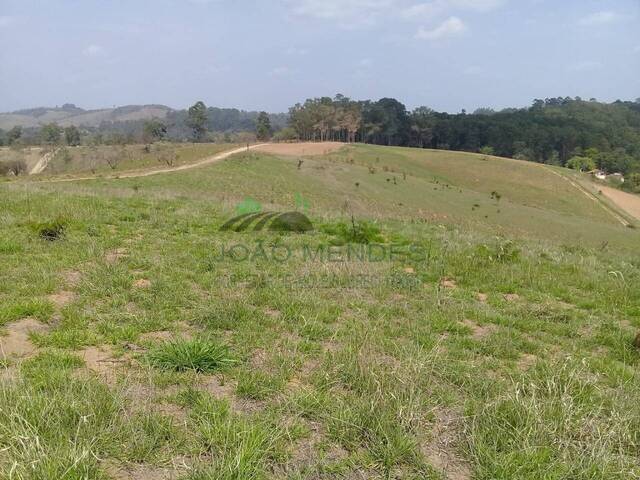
553, 131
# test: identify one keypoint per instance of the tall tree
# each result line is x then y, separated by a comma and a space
153, 130
72, 135
14, 134
263, 127
51, 133
197, 120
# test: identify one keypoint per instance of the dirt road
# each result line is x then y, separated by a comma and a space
42, 163
305, 148
148, 173
590, 195
628, 202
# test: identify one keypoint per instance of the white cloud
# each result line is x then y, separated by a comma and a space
450, 27
280, 72
93, 51
297, 51
367, 13
480, 5
473, 70
585, 66
600, 18
348, 13
5, 20
422, 11
428, 10
365, 63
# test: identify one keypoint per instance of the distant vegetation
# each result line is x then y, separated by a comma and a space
559, 131
70, 125
567, 131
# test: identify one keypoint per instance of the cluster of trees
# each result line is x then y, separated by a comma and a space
198, 123
551, 131
324, 119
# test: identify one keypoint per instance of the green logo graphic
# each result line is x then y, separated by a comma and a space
249, 216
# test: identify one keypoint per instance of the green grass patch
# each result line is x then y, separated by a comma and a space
199, 354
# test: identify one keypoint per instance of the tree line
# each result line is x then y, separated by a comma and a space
198, 123
561, 131
553, 131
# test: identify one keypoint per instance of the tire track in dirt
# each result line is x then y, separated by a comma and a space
590, 196
628, 202
147, 173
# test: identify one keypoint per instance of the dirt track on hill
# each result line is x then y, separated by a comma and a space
626, 201
147, 173
306, 148
42, 163
589, 195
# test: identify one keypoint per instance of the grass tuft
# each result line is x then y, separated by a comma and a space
51, 231
201, 355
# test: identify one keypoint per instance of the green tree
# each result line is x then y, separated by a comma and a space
633, 182
14, 135
154, 130
582, 164
285, 135
197, 120
51, 133
487, 150
263, 127
72, 135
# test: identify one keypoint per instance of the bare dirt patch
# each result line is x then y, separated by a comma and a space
221, 389
72, 278
273, 313
478, 332
511, 297
526, 361
115, 255
145, 398
482, 297
183, 331
142, 283
16, 343
61, 299
441, 450
628, 202
297, 149
448, 283
146, 472
102, 361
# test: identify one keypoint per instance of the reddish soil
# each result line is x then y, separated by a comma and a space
296, 149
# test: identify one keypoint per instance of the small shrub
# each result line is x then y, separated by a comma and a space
13, 167
201, 355
361, 232
505, 252
51, 231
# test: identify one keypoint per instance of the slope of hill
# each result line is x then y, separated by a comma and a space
451, 316
72, 115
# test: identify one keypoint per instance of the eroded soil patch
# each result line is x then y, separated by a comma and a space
295, 149
17, 343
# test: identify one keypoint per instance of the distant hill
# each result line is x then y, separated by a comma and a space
69, 114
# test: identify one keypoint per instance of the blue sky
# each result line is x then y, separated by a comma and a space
253, 54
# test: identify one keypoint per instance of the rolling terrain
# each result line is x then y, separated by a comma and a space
72, 115
490, 336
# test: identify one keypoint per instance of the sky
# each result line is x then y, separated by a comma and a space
270, 54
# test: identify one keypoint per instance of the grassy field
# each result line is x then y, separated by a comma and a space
105, 159
143, 342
